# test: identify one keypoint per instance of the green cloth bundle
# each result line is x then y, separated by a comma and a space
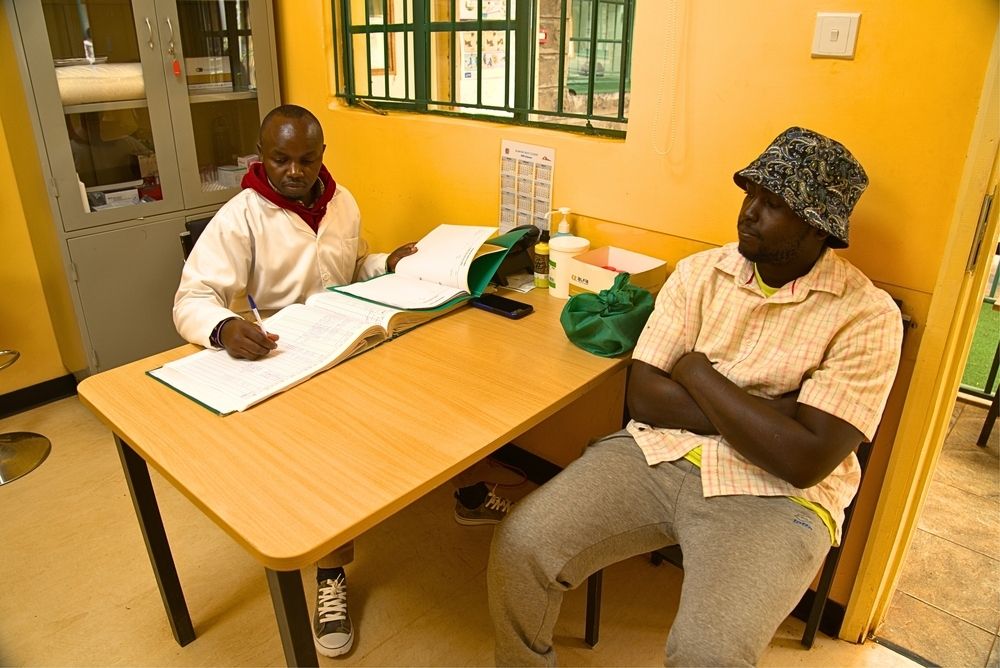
608, 323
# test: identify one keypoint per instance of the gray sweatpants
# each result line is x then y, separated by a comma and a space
747, 559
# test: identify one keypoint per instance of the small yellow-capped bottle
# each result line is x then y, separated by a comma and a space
541, 261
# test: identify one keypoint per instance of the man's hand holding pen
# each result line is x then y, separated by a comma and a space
245, 340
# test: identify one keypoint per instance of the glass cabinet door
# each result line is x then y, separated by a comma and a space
220, 89
96, 78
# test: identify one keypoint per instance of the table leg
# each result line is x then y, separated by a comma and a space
148, 512
294, 626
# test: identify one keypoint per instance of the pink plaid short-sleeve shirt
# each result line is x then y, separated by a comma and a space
831, 334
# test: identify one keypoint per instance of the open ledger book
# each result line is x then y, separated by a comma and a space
452, 262
329, 328
314, 336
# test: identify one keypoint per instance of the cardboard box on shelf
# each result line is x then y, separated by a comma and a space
230, 176
110, 195
147, 165
208, 70
122, 197
99, 200
596, 270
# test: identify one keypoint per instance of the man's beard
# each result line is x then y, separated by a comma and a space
777, 254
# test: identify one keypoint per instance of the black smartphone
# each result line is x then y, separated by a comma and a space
503, 306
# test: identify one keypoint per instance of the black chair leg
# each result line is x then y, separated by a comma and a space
991, 418
822, 594
833, 558
670, 553
593, 630
991, 414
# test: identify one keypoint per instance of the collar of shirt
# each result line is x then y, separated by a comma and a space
827, 275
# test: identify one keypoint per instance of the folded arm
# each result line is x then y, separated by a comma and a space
795, 442
658, 400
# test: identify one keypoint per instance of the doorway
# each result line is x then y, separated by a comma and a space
946, 607
929, 412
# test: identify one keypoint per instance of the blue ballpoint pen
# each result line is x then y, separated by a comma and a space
256, 314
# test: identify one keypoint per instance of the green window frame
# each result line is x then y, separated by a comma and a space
608, 17
499, 60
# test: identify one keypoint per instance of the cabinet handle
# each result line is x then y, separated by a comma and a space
149, 27
175, 64
171, 26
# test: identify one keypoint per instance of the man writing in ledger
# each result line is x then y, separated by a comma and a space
290, 233
763, 366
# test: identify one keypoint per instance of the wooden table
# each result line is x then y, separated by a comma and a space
399, 421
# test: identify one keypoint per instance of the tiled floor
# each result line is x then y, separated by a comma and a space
946, 608
76, 587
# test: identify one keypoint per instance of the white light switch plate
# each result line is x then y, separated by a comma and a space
836, 34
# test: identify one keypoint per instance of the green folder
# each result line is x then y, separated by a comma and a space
481, 271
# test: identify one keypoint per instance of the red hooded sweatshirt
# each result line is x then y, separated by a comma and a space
256, 179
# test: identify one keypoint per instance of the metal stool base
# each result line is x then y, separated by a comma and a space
20, 453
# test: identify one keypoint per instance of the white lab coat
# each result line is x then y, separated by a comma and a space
255, 246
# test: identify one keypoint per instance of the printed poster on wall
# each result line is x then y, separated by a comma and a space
494, 59
468, 10
525, 184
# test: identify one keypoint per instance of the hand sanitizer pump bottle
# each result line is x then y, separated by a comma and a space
561, 247
563, 229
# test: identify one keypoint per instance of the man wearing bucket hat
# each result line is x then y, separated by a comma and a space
763, 366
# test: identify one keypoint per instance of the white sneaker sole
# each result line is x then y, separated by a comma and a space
473, 523
334, 651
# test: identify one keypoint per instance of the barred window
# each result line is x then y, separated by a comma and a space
502, 60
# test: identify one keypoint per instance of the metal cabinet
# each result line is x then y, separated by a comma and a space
126, 285
145, 114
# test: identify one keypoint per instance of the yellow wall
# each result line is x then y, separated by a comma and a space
904, 106
24, 309
26, 323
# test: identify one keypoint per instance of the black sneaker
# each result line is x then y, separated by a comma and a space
493, 509
332, 628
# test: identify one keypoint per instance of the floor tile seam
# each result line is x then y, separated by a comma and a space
955, 487
906, 652
966, 442
421, 615
947, 612
376, 647
960, 545
399, 630
953, 422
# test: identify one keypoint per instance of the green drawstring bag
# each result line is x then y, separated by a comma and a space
608, 323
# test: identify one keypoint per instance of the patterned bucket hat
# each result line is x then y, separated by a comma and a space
816, 176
